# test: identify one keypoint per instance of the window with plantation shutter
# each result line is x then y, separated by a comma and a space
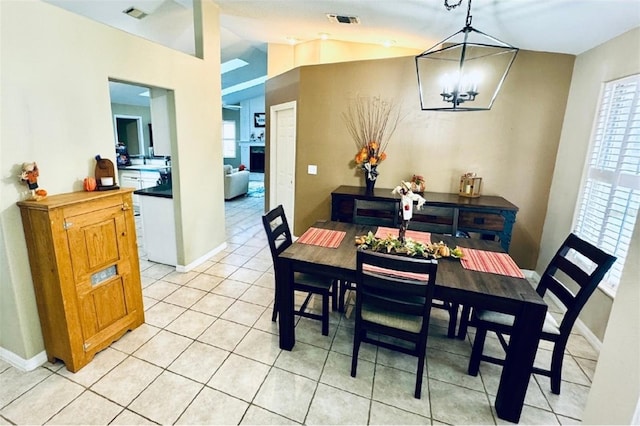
229, 139
610, 198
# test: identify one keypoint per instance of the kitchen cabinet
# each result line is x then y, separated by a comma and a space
488, 216
162, 117
138, 179
158, 224
85, 269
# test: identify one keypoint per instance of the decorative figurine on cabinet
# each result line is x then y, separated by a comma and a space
30, 175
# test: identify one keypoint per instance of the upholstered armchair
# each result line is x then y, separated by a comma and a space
236, 182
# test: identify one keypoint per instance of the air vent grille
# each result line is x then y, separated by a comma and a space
343, 19
134, 13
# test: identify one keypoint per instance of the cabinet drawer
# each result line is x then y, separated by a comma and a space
480, 221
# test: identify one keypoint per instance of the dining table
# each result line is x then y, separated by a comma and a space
331, 252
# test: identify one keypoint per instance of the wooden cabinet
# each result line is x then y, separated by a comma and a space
488, 216
85, 269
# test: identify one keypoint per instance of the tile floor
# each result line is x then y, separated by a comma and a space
208, 354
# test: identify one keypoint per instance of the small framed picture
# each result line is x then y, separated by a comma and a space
259, 118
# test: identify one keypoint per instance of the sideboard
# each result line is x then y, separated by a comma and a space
487, 216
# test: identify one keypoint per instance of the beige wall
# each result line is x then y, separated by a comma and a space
512, 147
56, 111
283, 57
615, 392
617, 58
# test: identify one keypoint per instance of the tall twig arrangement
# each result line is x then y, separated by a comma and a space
371, 122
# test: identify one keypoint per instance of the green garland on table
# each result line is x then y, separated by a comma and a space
392, 245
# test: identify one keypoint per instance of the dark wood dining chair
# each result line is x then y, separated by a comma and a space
394, 299
439, 220
279, 237
572, 276
374, 213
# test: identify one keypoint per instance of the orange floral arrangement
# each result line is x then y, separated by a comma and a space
370, 153
370, 122
418, 183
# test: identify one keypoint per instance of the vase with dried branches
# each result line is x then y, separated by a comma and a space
371, 121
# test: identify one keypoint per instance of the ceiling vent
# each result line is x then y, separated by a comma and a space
343, 19
134, 13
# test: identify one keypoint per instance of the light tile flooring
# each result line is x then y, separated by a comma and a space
208, 354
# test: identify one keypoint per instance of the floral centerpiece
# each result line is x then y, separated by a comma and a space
371, 121
392, 245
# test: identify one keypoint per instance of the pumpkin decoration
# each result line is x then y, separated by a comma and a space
89, 184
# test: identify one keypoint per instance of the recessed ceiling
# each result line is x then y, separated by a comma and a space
562, 26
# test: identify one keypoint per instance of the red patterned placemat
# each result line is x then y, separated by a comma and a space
422, 237
489, 261
322, 237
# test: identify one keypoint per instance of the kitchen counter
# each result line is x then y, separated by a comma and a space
162, 191
145, 167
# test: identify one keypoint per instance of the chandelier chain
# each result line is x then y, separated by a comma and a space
451, 6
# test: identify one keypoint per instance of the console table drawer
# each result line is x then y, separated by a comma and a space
480, 221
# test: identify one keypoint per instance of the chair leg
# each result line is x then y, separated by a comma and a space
556, 367
356, 350
274, 316
419, 374
325, 314
464, 322
453, 319
335, 294
476, 352
343, 291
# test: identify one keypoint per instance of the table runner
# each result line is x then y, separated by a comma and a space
489, 261
322, 237
422, 237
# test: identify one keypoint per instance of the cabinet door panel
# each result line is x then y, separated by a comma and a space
109, 303
94, 241
103, 306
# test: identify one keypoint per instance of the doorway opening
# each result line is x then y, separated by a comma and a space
143, 157
129, 133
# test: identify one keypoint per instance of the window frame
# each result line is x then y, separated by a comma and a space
597, 174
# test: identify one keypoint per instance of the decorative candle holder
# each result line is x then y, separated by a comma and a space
470, 185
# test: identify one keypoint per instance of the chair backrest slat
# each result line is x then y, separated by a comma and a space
441, 220
376, 212
396, 293
555, 286
278, 233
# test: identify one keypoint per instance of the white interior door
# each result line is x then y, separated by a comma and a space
283, 158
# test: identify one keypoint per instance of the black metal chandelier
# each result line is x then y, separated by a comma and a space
465, 71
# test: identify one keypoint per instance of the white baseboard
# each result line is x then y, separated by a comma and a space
21, 363
199, 261
579, 325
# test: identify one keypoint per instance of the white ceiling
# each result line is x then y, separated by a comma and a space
562, 26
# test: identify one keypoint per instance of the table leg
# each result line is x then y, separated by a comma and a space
519, 360
284, 295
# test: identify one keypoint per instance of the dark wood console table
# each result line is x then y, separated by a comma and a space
489, 216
